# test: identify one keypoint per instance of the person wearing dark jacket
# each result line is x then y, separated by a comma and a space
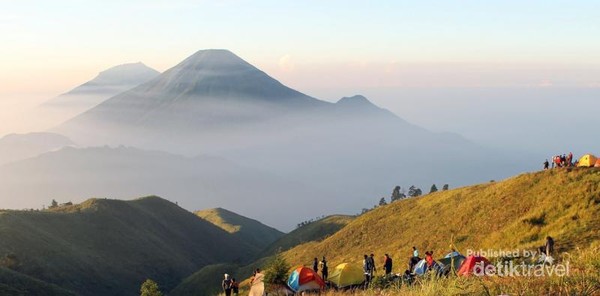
227, 285
324, 269
387, 264
316, 265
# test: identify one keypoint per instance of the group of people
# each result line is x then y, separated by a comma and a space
230, 285
560, 161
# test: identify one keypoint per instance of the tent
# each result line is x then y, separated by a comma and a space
474, 265
346, 275
597, 163
587, 160
420, 268
452, 260
305, 279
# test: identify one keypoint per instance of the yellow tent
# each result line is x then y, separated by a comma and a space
587, 160
346, 274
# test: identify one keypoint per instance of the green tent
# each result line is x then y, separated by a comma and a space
452, 261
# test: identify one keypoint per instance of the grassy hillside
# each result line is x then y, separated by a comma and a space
314, 231
208, 278
14, 283
517, 213
248, 230
109, 247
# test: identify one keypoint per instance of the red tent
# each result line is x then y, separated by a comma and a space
474, 265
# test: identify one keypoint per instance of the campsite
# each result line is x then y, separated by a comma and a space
517, 241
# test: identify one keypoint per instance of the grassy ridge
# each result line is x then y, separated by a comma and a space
315, 231
248, 230
209, 278
109, 247
517, 213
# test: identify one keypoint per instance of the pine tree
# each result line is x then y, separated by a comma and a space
276, 273
433, 189
53, 204
382, 202
397, 194
413, 191
150, 288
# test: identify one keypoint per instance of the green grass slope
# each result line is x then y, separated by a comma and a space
14, 283
248, 230
209, 278
314, 231
109, 247
517, 213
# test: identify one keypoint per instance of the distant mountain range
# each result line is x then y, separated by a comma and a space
74, 174
16, 147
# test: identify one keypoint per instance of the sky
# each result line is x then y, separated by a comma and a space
328, 49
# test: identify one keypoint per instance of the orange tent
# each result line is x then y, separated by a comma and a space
474, 265
597, 163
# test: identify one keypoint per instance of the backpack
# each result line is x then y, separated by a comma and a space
227, 284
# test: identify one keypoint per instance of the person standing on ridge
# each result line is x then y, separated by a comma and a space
324, 269
368, 270
227, 285
387, 264
372, 259
316, 265
414, 259
546, 164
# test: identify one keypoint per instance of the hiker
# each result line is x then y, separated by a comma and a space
368, 269
570, 158
226, 285
324, 269
387, 264
549, 247
372, 258
414, 259
257, 286
546, 164
316, 265
563, 160
429, 259
235, 287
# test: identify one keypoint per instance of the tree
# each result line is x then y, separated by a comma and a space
276, 273
397, 194
413, 191
150, 288
446, 187
382, 202
433, 189
53, 204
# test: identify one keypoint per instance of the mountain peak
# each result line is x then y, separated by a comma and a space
357, 100
214, 60
130, 73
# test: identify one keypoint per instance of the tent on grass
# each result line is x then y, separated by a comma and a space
452, 261
346, 275
420, 268
305, 279
597, 163
474, 265
587, 160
